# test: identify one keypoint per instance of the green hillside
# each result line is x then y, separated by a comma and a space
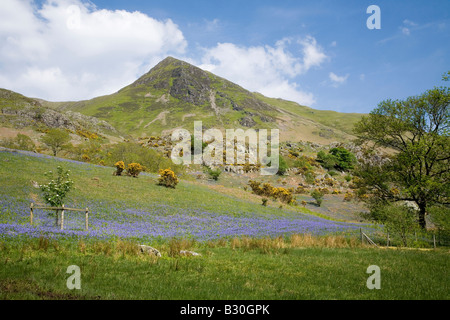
247, 251
174, 94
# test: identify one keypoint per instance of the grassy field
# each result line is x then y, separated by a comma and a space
111, 270
248, 252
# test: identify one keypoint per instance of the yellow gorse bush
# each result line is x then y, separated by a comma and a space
134, 169
167, 178
267, 190
120, 165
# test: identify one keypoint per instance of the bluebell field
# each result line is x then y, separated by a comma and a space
108, 221
156, 221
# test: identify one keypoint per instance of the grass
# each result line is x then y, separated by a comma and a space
241, 269
341, 121
244, 267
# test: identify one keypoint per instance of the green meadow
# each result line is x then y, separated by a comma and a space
324, 265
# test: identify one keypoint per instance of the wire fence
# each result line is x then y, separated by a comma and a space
419, 239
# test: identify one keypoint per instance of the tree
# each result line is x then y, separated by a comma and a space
55, 191
338, 158
344, 158
56, 139
417, 130
399, 220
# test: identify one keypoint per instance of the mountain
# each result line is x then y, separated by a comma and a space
174, 94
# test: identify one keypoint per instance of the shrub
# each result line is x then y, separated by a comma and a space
284, 195
213, 173
255, 185
348, 196
167, 178
282, 166
267, 190
134, 169
120, 165
318, 196
301, 190
20, 142
264, 202
329, 181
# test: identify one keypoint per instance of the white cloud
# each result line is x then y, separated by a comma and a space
407, 26
337, 80
266, 69
68, 49
71, 50
409, 23
406, 31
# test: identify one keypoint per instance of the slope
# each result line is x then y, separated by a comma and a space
174, 94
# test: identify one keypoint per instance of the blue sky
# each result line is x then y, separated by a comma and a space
317, 53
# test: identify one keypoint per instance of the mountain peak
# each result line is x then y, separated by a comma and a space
170, 61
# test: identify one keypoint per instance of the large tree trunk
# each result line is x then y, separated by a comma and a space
422, 213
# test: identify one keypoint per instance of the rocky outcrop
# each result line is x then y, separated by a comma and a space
149, 250
32, 114
189, 253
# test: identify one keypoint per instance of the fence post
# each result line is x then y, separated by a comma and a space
62, 218
87, 216
360, 231
387, 240
31, 214
434, 240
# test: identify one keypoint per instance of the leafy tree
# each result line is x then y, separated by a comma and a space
327, 160
440, 218
417, 130
338, 158
345, 160
56, 139
399, 220
55, 191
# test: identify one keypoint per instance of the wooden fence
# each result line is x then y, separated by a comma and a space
62, 209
